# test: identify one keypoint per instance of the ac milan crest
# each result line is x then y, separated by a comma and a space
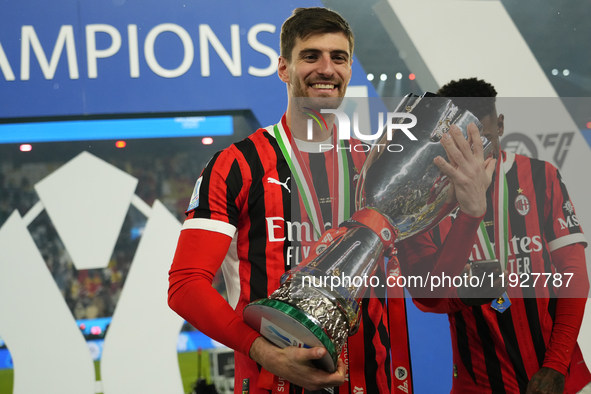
522, 205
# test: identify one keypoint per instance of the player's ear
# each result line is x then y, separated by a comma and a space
501, 124
282, 69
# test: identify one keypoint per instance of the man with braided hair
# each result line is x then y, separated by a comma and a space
532, 346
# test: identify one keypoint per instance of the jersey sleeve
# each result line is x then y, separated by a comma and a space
420, 256
562, 225
198, 256
206, 235
566, 243
570, 307
214, 205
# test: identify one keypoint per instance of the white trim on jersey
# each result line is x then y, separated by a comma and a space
567, 240
270, 130
303, 145
210, 225
509, 160
314, 147
230, 269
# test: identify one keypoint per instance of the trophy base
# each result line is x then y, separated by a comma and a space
285, 325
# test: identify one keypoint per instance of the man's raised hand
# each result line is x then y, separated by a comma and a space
469, 172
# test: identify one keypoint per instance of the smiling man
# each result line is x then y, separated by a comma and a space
247, 217
315, 64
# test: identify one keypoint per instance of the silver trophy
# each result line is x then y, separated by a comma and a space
396, 198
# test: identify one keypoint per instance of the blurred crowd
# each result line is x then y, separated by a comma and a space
94, 293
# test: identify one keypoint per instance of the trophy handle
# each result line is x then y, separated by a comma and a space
321, 313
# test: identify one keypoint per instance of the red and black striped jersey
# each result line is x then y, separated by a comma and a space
247, 193
499, 352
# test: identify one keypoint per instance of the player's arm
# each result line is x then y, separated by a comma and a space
567, 248
567, 321
420, 256
570, 306
469, 172
202, 247
212, 218
198, 256
570, 263
471, 175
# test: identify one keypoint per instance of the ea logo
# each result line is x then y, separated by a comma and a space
520, 144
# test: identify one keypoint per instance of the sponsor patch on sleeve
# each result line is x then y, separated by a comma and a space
194, 202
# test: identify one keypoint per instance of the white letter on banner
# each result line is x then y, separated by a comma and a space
146, 360
134, 57
265, 50
206, 37
5, 66
92, 53
57, 361
29, 39
187, 45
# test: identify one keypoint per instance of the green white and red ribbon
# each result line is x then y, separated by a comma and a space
303, 178
501, 228
500, 209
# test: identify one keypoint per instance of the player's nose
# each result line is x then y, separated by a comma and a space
326, 67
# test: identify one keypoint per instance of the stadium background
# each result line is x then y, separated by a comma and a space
187, 64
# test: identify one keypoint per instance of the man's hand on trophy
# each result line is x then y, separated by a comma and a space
469, 172
295, 365
474, 293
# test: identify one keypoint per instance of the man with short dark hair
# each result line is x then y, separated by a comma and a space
305, 22
532, 346
241, 218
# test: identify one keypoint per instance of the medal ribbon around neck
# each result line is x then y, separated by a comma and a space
500, 211
301, 174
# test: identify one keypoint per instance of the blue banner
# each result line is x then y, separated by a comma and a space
111, 129
76, 57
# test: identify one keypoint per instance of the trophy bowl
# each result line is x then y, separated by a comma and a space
397, 196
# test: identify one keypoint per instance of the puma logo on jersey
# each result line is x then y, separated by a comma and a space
275, 181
